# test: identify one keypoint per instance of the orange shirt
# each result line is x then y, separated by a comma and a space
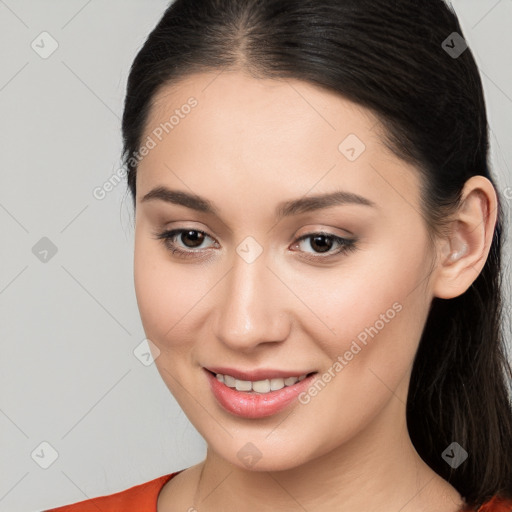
143, 498
495, 504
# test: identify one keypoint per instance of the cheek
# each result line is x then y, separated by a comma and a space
164, 294
378, 316
376, 308
166, 299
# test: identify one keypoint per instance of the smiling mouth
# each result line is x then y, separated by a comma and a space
254, 399
259, 386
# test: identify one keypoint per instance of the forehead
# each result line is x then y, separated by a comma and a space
258, 135
235, 100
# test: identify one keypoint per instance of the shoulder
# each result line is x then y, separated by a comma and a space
140, 497
497, 504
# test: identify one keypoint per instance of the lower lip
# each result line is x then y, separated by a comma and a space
256, 405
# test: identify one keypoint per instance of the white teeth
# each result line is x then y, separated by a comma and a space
259, 386
276, 384
243, 385
229, 381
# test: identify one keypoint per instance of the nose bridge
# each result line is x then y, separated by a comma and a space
249, 311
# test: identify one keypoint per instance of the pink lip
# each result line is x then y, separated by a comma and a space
255, 405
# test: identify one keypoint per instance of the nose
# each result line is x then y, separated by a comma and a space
251, 306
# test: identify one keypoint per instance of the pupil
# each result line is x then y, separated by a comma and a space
195, 236
323, 247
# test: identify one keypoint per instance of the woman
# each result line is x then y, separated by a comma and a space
317, 257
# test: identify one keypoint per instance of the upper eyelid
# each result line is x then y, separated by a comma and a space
327, 230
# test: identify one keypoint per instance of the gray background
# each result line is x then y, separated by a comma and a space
69, 326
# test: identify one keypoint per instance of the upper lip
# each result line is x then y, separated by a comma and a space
259, 374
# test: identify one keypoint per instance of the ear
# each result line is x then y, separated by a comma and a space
463, 253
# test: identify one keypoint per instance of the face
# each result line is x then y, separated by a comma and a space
260, 288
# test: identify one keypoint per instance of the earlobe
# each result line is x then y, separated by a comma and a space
464, 252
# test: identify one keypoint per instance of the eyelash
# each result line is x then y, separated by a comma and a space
167, 237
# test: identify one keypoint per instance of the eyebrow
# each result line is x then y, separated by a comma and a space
283, 209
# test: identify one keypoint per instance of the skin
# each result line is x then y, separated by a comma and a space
248, 145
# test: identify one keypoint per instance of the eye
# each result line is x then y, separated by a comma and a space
323, 243
192, 239
195, 236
